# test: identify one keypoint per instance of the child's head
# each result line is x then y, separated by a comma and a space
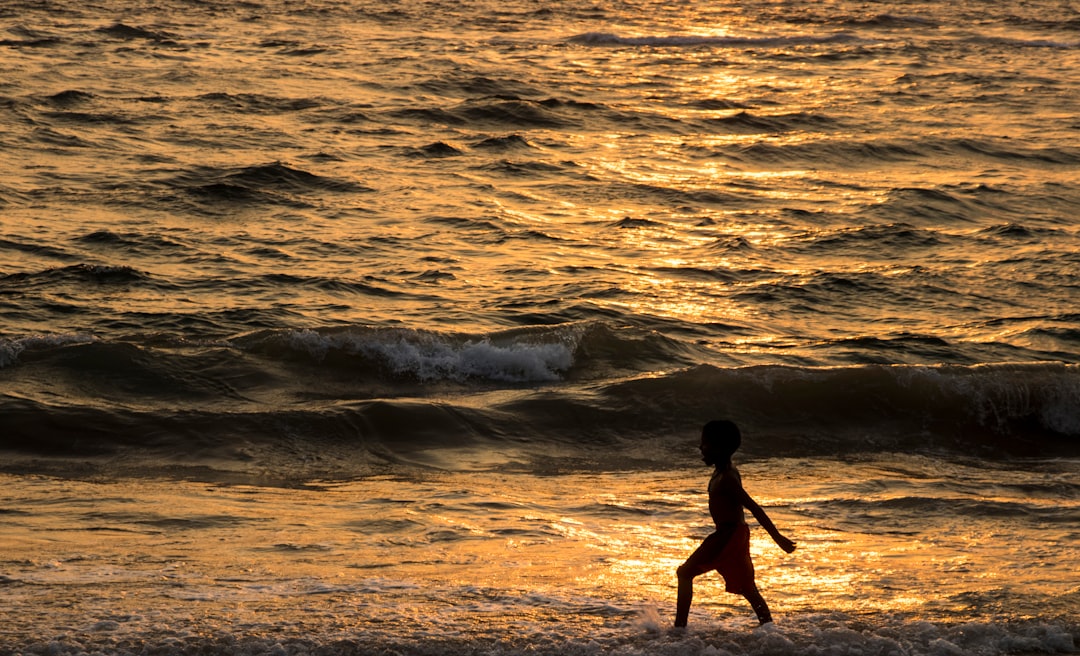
720, 439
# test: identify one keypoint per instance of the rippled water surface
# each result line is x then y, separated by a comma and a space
832, 183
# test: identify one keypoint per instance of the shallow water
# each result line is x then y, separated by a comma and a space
917, 556
340, 326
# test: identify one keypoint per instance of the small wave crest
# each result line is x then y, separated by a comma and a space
534, 354
76, 274
846, 152
1007, 42
744, 121
129, 32
273, 183
11, 348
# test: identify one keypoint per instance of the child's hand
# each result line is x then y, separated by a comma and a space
785, 544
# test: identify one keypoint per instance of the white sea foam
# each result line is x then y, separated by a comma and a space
998, 394
794, 638
10, 349
430, 356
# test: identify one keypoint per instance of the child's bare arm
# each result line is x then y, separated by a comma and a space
759, 514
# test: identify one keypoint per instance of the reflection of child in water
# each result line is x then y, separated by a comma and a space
727, 550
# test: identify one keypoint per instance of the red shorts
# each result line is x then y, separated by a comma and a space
731, 559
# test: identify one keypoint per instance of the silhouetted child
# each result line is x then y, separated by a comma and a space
727, 550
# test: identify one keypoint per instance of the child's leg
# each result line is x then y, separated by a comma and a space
699, 562
686, 596
757, 602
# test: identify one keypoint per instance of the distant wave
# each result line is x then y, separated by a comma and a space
276, 176
851, 153
894, 20
95, 273
128, 32
1025, 43
782, 41
690, 40
519, 113
745, 121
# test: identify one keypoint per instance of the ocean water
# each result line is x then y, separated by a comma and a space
335, 326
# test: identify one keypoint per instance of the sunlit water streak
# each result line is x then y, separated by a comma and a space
481, 270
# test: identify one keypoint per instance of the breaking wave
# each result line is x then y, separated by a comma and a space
568, 391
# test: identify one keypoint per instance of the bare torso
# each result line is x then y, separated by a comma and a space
725, 498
